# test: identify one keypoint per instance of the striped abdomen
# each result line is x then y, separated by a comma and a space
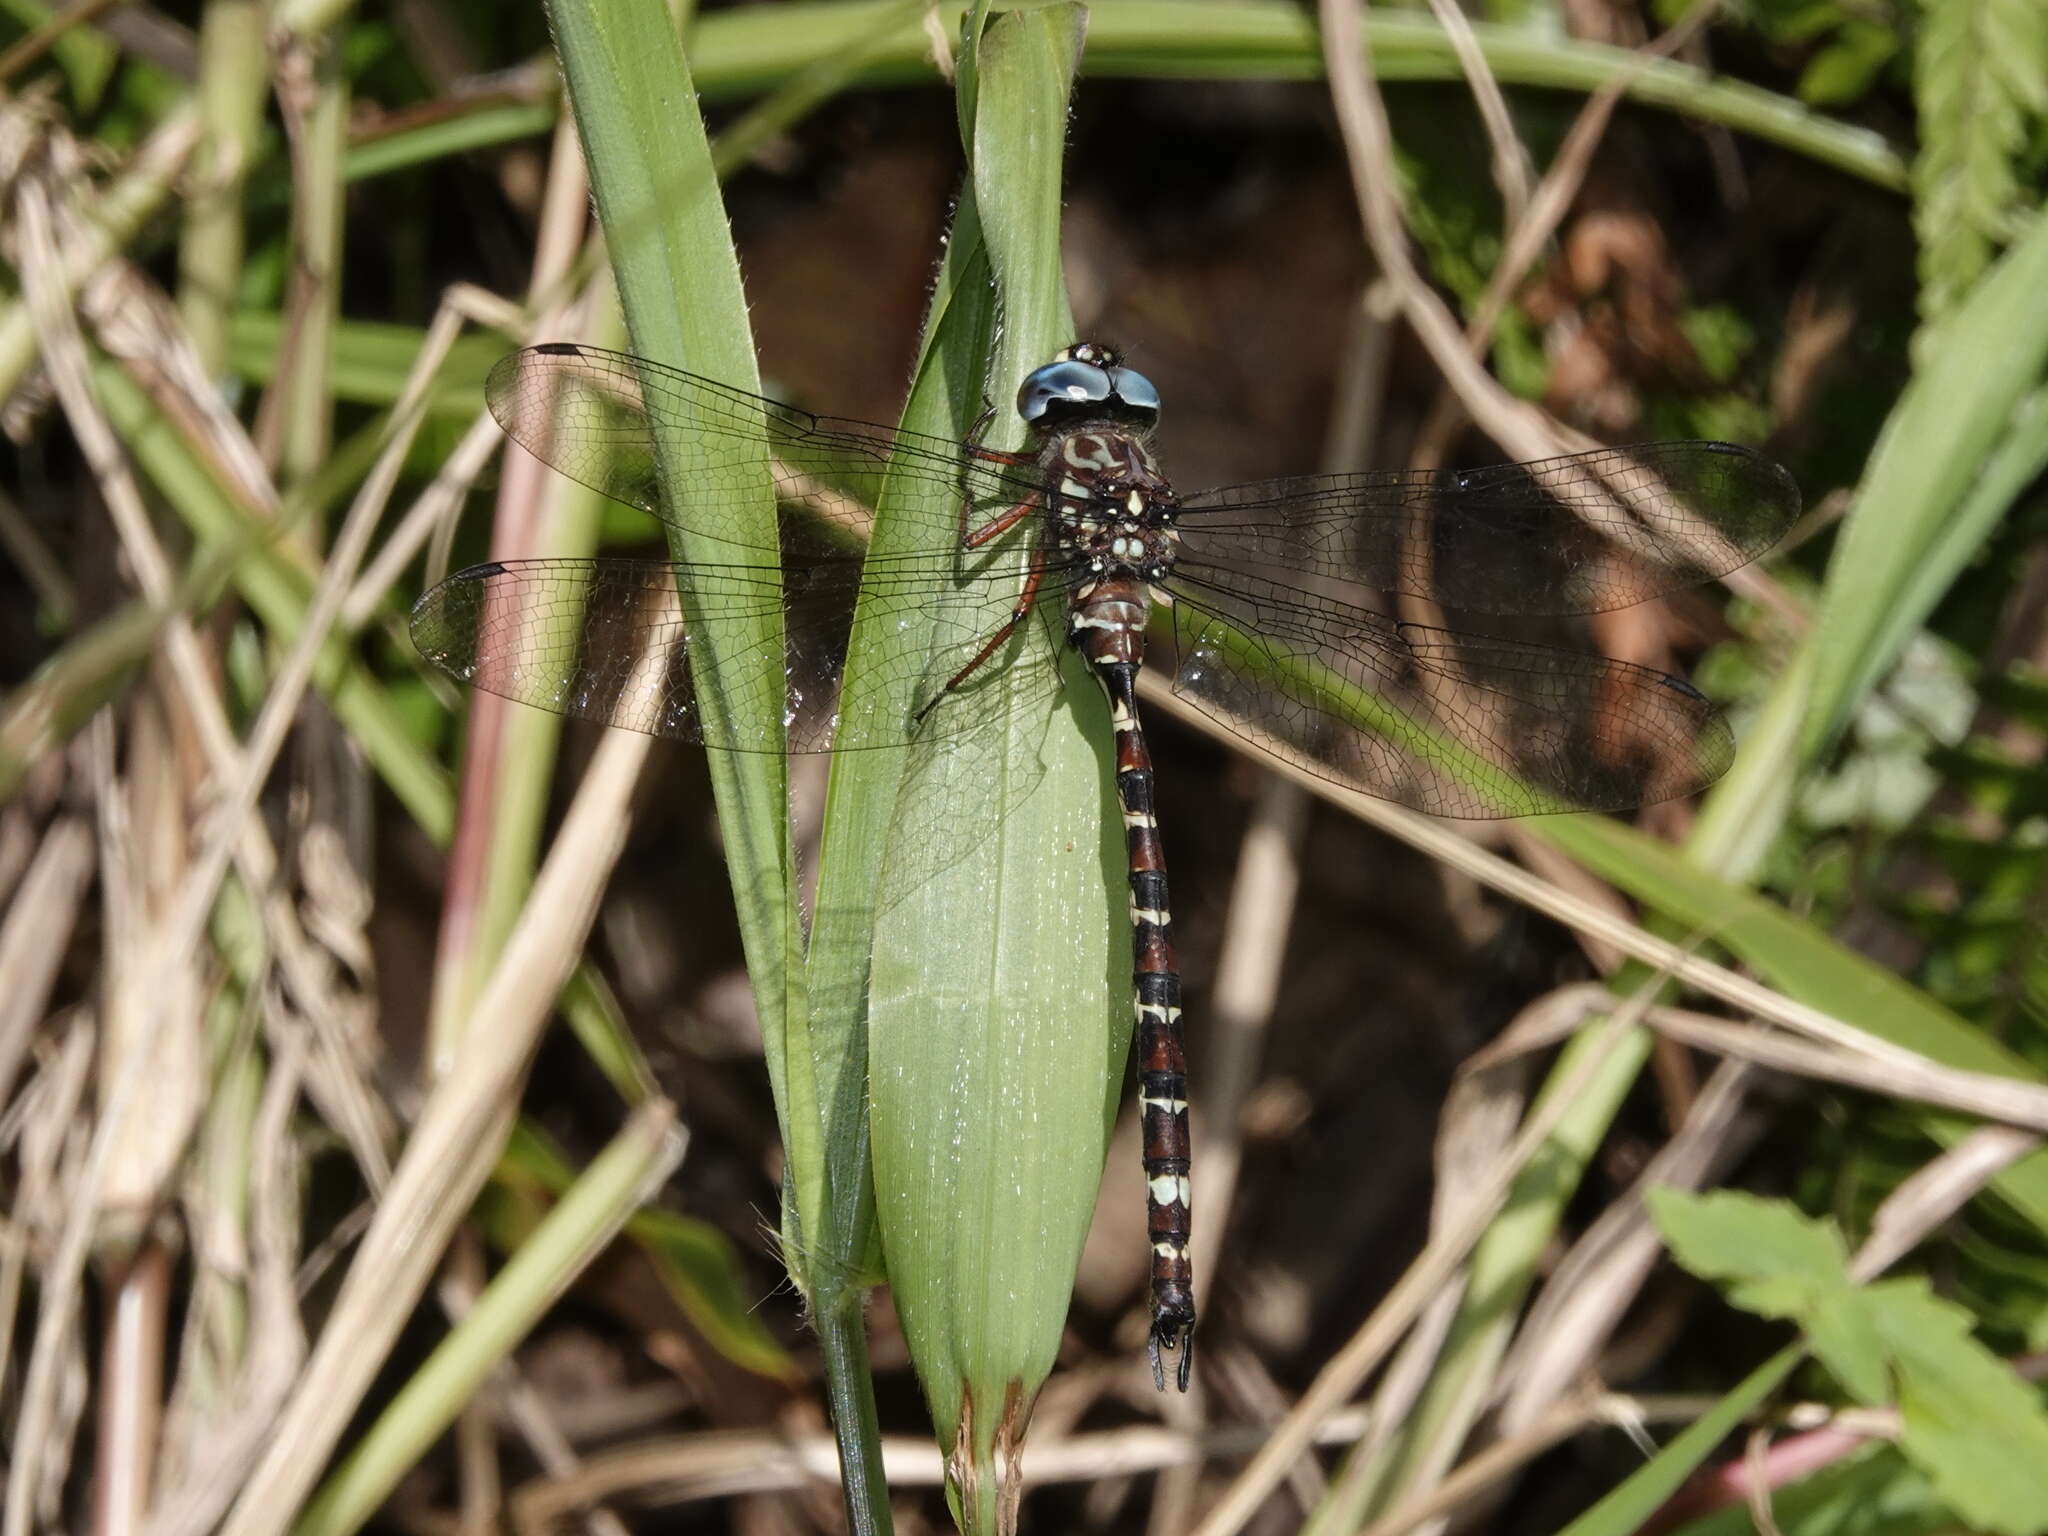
1108, 627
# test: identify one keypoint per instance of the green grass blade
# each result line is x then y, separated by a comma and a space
741, 52
1627, 1508
1956, 448
567, 1240
658, 197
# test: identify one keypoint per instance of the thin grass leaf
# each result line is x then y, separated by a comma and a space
1959, 425
656, 184
658, 198
745, 51
1624, 1511
567, 1240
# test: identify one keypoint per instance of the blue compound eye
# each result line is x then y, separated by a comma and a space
1135, 390
1070, 384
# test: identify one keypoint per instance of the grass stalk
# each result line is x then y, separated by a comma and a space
296, 422
569, 1237
233, 75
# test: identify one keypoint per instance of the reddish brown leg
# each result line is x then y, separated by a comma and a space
994, 455
996, 527
1032, 579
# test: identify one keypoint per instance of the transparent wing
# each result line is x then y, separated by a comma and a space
1446, 723
619, 642
594, 415
1580, 534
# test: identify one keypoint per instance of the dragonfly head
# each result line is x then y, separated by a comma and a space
1087, 382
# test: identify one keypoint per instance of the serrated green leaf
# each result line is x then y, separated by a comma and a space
1980, 75
1846, 1336
1977, 1431
1778, 1262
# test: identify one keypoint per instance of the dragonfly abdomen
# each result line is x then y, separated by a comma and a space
1107, 625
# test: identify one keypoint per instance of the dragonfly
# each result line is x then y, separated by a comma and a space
1276, 607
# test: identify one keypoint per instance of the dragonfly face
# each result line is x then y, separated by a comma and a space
1087, 382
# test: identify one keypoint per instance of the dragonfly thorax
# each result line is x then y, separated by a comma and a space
1112, 510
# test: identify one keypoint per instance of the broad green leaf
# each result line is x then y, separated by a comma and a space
1775, 1261
996, 1050
658, 198
1847, 1339
1977, 1431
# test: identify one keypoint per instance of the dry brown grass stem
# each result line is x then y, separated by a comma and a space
1876, 1066
454, 1144
352, 1107
722, 1464
209, 1453
434, 509
1528, 234
45, 1116
1935, 1193
1850, 1056
36, 935
1584, 1297
1511, 167
1248, 975
42, 39
1525, 431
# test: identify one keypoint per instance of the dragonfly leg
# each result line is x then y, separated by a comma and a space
998, 525
1025, 599
976, 454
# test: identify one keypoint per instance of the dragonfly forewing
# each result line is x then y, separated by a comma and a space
623, 643
1585, 533
595, 416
